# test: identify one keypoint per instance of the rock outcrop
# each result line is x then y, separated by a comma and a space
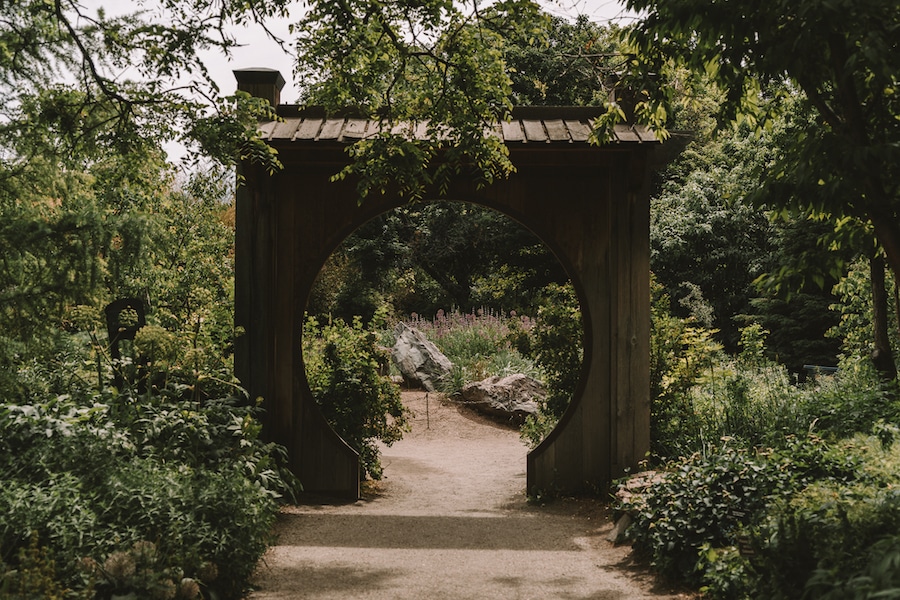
419, 360
513, 397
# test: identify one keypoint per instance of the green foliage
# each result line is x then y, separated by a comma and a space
750, 518
707, 244
759, 403
570, 66
52, 231
436, 63
828, 539
855, 329
140, 568
878, 578
92, 470
704, 501
557, 344
231, 134
726, 263
343, 366
76, 54
680, 353
36, 577
92, 475
74, 241
422, 258
774, 523
831, 65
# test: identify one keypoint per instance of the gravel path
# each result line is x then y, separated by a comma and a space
450, 521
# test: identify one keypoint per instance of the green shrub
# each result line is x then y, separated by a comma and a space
704, 502
832, 538
343, 367
851, 401
557, 344
35, 576
679, 354
751, 398
879, 577
725, 573
91, 477
811, 520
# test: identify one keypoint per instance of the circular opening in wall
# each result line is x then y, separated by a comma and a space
457, 278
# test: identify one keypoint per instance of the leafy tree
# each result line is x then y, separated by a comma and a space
62, 66
435, 62
832, 63
571, 66
707, 245
425, 257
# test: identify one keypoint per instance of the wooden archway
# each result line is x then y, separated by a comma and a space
589, 204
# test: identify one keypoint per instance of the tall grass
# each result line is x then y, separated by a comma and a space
480, 344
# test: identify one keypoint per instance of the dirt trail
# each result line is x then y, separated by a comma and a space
450, 521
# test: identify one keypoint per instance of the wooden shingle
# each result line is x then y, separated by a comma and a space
530, 125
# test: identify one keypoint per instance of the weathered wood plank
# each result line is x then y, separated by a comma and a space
640, 284
557, 131
309, 129
534, 130
624, 133
285, 130
266, 129
580, 131
645, 134
512, 131
355, 129
331, 129
621, 427
598, 229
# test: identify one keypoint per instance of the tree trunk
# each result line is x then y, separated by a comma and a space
897, 304
888, 235
882, 355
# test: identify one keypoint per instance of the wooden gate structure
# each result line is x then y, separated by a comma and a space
589, 204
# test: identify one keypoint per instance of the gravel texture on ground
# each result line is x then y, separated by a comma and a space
450, 520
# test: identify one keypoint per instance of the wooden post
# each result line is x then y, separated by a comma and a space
261, 83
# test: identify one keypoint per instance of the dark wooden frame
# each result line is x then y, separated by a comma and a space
589, 204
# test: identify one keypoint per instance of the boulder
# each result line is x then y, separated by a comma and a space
419, 361
513, 397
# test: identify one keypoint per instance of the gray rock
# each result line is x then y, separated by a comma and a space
617, 535
513, 397
419, 360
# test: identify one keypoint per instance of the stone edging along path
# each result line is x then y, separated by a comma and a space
450, 521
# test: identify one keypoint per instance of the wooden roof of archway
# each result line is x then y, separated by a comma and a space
553, 125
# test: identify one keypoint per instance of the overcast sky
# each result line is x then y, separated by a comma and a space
262, 52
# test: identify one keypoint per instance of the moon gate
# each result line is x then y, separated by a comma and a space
588, 203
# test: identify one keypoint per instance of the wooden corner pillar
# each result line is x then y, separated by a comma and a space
269, 310
603, 240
